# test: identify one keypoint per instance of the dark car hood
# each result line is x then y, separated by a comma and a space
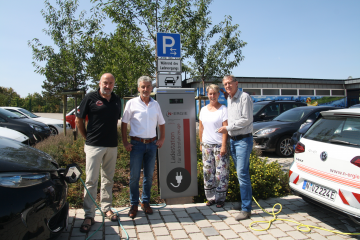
17, 157
30, 121
270, 124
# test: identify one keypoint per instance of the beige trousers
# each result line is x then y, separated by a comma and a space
104, 159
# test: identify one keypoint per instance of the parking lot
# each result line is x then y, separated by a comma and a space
198, 221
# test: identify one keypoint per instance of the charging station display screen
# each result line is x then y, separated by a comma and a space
175, 101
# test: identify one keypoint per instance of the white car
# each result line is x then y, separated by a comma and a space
15, 135
56, 126
326, 166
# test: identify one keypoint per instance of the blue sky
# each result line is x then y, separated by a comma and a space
286, 38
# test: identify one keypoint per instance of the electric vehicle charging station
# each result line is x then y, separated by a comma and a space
177, 156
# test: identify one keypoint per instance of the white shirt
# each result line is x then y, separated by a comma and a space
143, 119
211, 121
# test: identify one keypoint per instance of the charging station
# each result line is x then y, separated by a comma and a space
177, 156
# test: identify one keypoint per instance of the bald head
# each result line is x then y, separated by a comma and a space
106, 84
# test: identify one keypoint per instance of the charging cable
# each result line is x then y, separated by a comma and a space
301, 227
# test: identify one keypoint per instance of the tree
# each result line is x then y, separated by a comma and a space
123, 55
144, 18
217, 59
65, 69
8, 97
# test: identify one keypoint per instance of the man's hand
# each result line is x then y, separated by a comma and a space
128, 146
160, 142
222, 130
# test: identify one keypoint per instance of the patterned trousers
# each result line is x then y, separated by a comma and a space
216, 172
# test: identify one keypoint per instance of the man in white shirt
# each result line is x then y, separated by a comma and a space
143, 113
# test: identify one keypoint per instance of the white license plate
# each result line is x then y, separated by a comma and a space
319, 190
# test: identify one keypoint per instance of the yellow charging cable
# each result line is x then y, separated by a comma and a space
301, 227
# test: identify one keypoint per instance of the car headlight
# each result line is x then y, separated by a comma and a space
36, 127
266, 131
18, 180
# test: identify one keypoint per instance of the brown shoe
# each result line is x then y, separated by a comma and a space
133, 211
146, 208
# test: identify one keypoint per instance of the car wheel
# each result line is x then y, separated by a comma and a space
53, 131
284, 147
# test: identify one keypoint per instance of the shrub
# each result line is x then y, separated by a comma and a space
267, 179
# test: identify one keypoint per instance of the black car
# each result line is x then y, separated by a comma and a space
300, 132
275, 135
33, 192
36, 131
267, 110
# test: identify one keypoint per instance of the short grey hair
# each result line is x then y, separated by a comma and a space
214, 87
144, 79
233, 79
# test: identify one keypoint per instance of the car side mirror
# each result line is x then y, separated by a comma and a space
72, 173
309, 120
262, 115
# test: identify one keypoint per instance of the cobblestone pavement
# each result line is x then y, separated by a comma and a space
198, 221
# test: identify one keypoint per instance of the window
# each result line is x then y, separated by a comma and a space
337, 92
271, 110
271, 91
252, 91
306, 92
287, 106
342, 131
288, 91
323, 92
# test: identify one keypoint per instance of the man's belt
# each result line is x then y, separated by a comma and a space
239, 137
144, 140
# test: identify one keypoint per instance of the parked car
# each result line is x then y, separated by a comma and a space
325, 170
56, 126
267, 110
300, 132
355, 106
275, 135
34, 191
70, 118
14, 135
35, 131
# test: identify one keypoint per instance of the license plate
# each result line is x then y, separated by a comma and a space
319, 190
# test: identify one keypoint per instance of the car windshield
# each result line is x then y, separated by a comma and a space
336, 130
293, 115
8, 114
257, 107
20, 115
28, 113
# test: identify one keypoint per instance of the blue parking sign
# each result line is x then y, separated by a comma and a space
168, 45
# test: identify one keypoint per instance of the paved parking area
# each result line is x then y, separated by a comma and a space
198, 221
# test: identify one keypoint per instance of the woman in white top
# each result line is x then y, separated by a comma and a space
214, 150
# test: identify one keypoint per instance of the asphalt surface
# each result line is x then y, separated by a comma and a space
198, 221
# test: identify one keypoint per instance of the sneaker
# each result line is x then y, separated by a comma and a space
242, 215
146, 208
133, 211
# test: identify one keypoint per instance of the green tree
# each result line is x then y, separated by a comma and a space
215, 51
123, 55
144, 18
66, 68
8, 97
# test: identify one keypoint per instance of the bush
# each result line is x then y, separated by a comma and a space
65, 151
267, 179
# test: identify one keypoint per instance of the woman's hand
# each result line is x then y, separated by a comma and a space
223, 150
